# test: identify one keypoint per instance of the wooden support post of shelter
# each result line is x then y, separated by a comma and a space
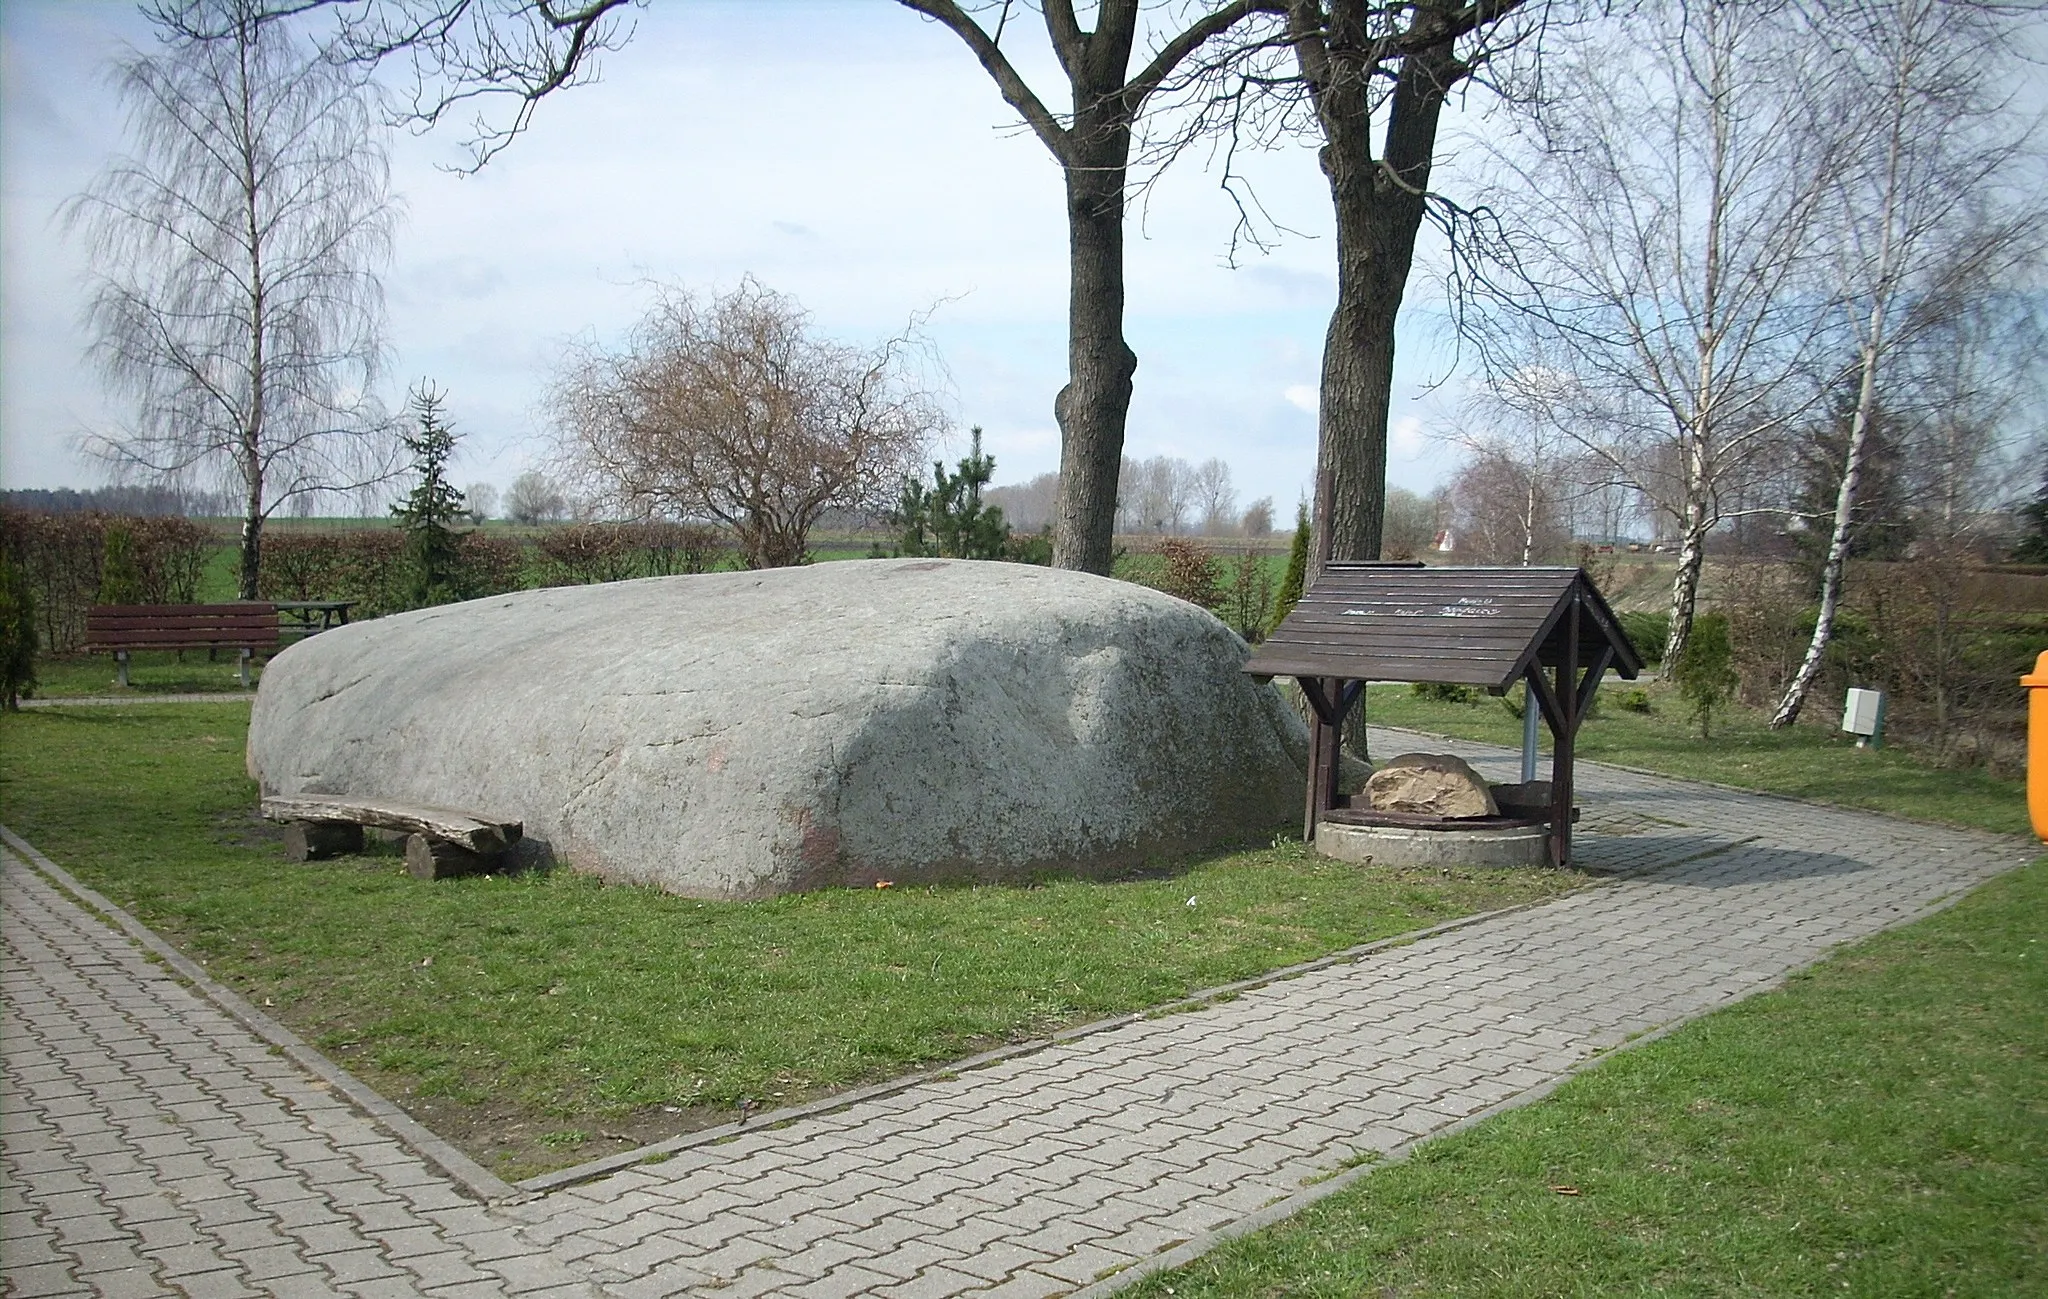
1549, 628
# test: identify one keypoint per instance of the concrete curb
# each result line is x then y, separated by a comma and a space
466, 1172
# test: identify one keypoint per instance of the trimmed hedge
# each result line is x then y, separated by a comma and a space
60, 559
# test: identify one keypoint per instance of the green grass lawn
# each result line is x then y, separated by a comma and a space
544, 1019
150, 672
1812, 760
1878, 1127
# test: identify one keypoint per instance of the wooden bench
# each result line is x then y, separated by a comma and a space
441, 841
249, 626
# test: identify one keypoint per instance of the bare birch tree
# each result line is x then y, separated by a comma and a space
1648, 300
1914, 217
235, 252
1215, 497
1979, 382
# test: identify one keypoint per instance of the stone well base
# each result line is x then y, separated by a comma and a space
1387, 845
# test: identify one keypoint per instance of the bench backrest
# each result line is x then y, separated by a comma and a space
250, 623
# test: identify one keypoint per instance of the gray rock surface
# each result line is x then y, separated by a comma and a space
1432, 784
744, 734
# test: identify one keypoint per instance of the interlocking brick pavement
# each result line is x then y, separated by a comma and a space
152, 1146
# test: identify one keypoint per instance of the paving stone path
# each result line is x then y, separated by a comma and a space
153, 1146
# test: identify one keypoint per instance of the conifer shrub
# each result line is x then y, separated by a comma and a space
1296, 577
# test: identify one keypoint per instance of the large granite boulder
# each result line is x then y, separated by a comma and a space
738, 735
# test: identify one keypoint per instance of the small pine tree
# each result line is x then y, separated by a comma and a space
120, 573
1297, 571
433, 550
1705, 674
912, 517
948, 519
17, 635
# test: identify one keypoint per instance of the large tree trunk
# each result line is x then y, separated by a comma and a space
250, 452
1380, 204
252, 537
1094, 152
1093, 406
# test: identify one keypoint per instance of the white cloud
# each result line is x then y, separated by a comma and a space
1304, 396
1405, 438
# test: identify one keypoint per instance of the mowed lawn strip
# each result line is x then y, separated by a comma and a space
529, 1017
1877, 1127
150, 672
1812, 760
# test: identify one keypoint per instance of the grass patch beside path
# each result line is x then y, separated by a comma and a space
1877, 1127
542, 1020
1811, 760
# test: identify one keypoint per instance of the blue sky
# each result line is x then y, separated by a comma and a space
847, 153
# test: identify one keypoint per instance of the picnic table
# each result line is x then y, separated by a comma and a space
305, 617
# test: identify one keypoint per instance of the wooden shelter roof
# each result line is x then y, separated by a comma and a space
1459, 626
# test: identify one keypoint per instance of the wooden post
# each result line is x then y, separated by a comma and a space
1333, 759
438, 859
1311, 785
1565, 738
1326, 701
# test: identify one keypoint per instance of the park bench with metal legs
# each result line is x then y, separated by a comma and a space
249, 626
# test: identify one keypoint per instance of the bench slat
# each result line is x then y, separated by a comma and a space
478, 834
180, 643
174, 620
183, 629
145, 610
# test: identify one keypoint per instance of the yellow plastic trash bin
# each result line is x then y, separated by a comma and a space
2036, 683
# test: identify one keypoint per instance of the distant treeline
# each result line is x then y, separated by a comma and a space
147, 502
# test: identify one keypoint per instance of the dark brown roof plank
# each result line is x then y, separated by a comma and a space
1426, 625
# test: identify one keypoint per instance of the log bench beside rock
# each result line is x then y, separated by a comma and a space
441, 842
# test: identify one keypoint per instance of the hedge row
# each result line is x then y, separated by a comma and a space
62, 558
368, 565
